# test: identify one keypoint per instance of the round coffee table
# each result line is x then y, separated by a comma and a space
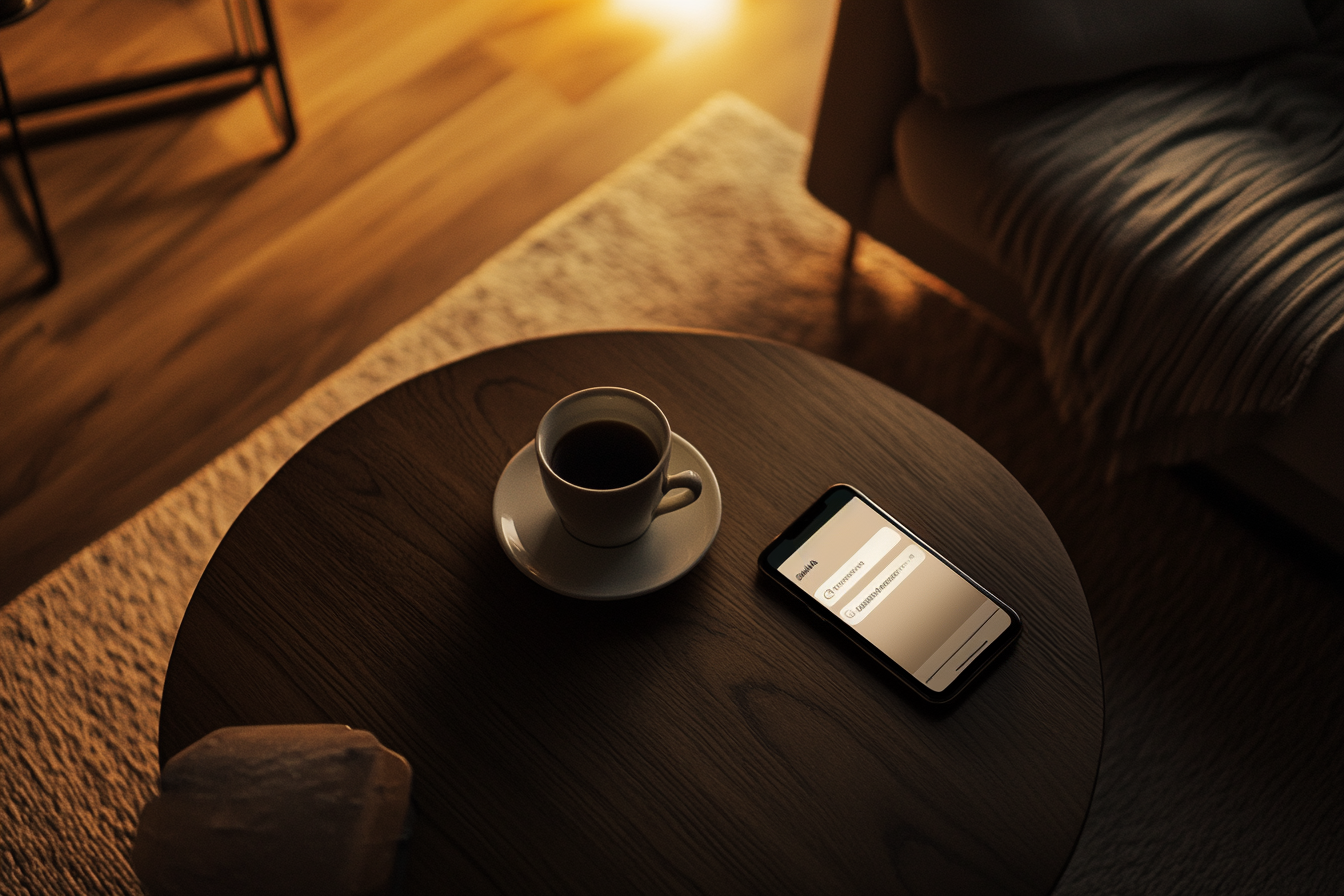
711, 736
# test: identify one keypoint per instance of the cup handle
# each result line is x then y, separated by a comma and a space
687, 479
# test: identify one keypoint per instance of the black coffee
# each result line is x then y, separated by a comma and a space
604, 454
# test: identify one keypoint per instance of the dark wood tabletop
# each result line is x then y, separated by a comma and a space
712, 736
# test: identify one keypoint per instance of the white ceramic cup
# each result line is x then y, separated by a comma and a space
610, 517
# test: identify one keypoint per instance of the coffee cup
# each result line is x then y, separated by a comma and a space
603, 455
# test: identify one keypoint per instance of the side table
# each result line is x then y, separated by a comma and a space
708, 737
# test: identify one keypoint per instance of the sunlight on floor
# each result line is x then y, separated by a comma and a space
685, 21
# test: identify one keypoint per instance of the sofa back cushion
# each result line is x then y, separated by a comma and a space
974, 51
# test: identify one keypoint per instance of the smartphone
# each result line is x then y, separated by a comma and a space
885, 589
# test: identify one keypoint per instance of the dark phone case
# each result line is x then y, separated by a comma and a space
809, 522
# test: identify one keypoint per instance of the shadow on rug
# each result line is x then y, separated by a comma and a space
1221, 650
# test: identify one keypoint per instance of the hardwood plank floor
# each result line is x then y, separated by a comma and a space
207, 285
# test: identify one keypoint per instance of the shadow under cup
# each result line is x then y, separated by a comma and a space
593, 431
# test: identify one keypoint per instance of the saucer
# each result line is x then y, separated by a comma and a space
538, 544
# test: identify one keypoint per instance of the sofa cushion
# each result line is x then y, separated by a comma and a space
942, 156
973, 51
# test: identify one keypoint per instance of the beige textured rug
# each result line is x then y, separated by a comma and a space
707, 228
1222, 647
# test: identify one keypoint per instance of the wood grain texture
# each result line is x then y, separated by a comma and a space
208, 285
712, 736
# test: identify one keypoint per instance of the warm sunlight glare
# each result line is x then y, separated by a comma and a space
686, 18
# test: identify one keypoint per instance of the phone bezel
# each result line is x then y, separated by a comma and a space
811, 520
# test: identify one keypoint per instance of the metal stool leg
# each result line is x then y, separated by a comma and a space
255, 50
46, 245
283, 117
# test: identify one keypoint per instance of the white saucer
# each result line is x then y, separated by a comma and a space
537, 543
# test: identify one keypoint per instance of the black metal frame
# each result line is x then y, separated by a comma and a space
38, 220
253, 52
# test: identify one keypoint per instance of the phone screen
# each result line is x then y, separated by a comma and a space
882, 584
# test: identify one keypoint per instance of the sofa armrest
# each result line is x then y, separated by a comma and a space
871, 75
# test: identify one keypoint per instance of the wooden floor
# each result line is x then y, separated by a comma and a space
207, 285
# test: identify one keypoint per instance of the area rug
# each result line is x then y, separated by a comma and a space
1221, 648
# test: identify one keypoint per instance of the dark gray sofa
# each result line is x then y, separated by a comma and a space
911, 173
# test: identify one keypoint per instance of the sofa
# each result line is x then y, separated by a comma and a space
1151, 191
